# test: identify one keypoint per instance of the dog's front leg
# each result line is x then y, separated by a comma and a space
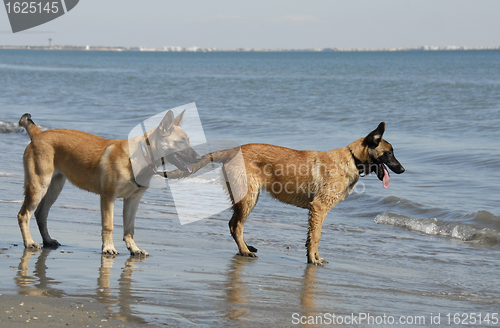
317, 215
107, 207
130, 206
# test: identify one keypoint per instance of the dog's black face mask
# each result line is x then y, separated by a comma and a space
380, 154
184, 158
174, 141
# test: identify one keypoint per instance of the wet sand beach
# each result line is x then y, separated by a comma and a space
34, 311
186, 285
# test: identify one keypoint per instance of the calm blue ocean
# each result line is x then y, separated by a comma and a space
429, 243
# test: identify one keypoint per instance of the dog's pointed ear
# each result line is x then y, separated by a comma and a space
168, 121
178, 119
373, 139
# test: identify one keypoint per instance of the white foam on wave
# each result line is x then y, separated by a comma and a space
8, 174
13, 127
11, 201
428, 226
204, 180
432, 226
9, 127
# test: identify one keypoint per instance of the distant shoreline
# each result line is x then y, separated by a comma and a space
200, 49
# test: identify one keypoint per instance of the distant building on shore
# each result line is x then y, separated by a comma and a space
211, 49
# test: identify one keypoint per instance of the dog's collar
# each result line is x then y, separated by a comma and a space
150, 169
146, 153
149, 159
358, 163
135, 181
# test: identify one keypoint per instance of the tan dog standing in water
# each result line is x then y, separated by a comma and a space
102, 166
309, 179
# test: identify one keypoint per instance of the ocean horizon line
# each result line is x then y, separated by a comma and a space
213, 49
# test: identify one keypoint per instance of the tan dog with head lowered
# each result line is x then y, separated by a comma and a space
102, 166
313, 180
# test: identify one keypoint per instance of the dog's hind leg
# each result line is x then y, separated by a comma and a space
241, 210
317, 214
130, 206
42, 211
37, 177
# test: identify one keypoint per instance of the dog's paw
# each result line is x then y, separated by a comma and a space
322, 260
33, 246
319, 261
247, 254
139, 252
252, 249
51, 244
109, 251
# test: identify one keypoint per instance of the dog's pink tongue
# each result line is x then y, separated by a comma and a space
387, 178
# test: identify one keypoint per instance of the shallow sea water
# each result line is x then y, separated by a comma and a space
427, 245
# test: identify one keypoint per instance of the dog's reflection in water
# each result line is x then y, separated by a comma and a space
36, 283
239, 291
117, 300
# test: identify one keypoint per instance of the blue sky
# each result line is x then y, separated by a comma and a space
269, 24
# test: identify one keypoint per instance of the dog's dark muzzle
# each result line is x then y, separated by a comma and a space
382, 172
390, 160
183, 159
396, 167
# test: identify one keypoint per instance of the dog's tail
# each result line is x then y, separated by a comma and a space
221, 156
26, 122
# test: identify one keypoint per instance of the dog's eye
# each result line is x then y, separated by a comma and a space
183, 141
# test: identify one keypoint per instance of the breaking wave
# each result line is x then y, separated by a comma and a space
433, 226
11, 127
